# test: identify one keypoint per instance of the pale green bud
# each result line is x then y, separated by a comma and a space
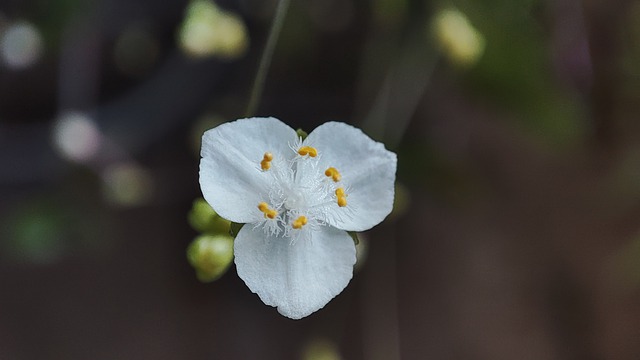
460, 42
321, 349
210, 256
207, 30
302, 134
204, 219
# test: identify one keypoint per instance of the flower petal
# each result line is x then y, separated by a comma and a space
367, 168
298, 278
231, 178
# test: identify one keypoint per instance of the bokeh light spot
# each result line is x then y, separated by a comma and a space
462, 44
21, 45
209, 31
76, 137
127, 185
34, 232
320, 349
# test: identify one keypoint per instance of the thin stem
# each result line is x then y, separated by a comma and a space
265, 61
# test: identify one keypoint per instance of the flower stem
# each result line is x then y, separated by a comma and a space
265, 61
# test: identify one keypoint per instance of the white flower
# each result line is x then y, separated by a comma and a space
298, 199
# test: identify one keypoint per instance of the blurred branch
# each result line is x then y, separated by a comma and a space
402, 88
267, 55
400, 94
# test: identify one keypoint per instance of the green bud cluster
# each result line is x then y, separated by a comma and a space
210, 253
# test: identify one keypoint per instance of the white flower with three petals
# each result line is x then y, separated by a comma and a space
298, 199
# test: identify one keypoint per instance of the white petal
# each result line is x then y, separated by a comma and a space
297, 278
231, 179
367, 168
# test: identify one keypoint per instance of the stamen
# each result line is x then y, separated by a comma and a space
333, 173
265, 164
342, 197
342, 201
308, 150
299, 222
268, 213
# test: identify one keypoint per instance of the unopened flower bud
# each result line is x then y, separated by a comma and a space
460, 42
302, 134
208, 30
204, 219
210, 255
321, 349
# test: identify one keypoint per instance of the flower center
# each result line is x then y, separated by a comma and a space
294, 200
301, 194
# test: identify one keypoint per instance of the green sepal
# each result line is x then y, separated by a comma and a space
354, 237
234, 229
303, 134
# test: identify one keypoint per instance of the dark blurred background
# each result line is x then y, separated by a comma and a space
515, 233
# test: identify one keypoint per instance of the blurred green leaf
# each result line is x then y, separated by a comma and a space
515, 71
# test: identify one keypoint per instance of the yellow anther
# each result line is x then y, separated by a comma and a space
342, 201
333, 173
308, 150
342, 197
265, 164
268, 213
299, 222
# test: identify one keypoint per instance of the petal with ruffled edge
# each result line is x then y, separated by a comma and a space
367, 168
231, 179
298, 278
